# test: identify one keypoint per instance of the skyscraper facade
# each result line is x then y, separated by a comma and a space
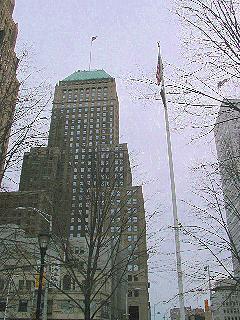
8, 80
227, 137
84, 133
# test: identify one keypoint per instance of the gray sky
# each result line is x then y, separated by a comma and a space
60, 32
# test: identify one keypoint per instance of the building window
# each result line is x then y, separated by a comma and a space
129, 267
1, 284
28, 285
135, 267
49, 306
135, 278
130, 294
21, 284
66, 282
136, 293
22, 306
2, 305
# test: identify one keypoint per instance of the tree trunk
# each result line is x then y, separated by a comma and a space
87, 311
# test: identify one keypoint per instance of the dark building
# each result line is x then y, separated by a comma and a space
8, 81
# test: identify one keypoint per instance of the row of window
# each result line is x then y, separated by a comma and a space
86, 120
79, 227
87, 116
81, 91
132, 278
90, 143
86, 139
92, 131
133, 267
22, 284
97, 112
22, 305
133, 293
94, 107
87, 97
232, 318
130, 228
132, 237
231, 303
73, 107
231, 310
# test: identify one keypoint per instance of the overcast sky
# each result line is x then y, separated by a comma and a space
60, 33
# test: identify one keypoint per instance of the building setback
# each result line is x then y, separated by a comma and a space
8, 81
84, 136
225, 300
227, 138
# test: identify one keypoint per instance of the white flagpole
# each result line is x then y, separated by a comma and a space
90, 54
174, 202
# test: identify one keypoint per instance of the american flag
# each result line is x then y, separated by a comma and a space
159, 73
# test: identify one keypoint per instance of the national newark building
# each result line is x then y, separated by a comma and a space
84, 159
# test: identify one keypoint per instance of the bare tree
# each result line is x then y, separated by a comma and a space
215, 231
112, 242
107, 259
216, 30
212, 57
23, 108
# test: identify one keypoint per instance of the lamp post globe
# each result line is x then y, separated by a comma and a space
43, 240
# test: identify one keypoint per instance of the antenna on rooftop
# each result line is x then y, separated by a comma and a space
90, 54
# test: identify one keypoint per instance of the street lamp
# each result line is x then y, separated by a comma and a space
154, 308
47, 217
43, 240
127, 314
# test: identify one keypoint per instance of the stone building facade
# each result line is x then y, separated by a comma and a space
225, 300
19, 285
8, 81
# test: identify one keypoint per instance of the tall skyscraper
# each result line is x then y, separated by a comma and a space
9, 83
227, 137
84, 149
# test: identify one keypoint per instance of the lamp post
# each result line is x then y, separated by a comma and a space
127, 306
154, 308
7, 299
47, 217
43, 240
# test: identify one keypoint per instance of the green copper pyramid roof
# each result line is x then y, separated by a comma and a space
82, 75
